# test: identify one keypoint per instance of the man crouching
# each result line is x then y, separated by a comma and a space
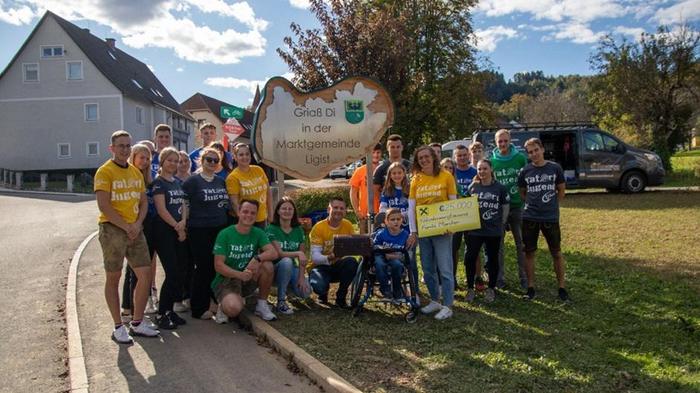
243, 258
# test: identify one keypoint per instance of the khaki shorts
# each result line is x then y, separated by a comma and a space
234, 285
116, 246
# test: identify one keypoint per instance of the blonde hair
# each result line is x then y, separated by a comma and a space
164, 154
204, 152
141, 148
445, 161
183, 155
389, 186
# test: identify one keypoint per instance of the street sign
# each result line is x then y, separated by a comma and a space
229, 112
232, 130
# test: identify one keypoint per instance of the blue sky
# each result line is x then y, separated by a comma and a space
223, 48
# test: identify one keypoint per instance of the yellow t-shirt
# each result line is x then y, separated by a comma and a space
250, 185
322, 235
125, 186
432, 189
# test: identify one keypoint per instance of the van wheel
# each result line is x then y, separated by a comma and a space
633, 182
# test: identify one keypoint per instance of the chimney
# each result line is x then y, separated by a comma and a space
111, 42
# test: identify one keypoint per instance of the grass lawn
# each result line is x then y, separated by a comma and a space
633, 268
684, 164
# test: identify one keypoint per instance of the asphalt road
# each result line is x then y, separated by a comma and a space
38, 236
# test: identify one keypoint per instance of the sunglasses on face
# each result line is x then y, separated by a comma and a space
211, 160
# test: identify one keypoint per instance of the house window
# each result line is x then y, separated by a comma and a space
93, 149
112, 55
52, 51
74, 70
30, 72
92, 112
139, 115
64, 150
136, 83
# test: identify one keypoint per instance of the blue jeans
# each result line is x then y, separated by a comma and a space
286, 277
436, 253
341, 271
396, 267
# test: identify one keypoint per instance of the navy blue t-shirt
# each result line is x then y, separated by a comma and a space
492, 199
174, 196
208, 201
464, 179
384, 240
541, 203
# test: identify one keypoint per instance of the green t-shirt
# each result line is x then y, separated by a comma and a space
506, 169
289, 242
238, 248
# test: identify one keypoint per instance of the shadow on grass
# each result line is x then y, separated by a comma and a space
626, 330
650, 200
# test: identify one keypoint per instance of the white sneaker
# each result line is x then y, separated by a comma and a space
431, 307
263, 311
144, 330
283, 308
121, 335
150, 307
180, 307
220, 317
444, 313
187, 304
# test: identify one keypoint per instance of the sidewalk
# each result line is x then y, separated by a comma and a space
201, 356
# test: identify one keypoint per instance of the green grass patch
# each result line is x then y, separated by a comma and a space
633, 263
686, 169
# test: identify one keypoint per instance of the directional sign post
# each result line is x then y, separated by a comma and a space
231, 112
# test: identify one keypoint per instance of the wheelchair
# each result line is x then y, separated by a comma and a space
365, 280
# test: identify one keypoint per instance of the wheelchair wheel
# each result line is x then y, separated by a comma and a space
411, 317
358, 283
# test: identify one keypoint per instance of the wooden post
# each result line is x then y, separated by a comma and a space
370, 194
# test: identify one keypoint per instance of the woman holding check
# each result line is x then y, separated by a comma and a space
430, 184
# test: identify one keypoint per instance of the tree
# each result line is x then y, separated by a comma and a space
421, 50
555, 106
647, 90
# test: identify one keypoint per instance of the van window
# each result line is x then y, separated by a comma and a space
595, 141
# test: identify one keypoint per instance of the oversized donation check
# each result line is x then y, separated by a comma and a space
453, 216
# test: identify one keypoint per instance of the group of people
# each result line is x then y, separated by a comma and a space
209, 218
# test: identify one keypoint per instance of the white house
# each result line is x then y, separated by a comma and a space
66, 91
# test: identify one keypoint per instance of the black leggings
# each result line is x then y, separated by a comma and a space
474, 243
202, 245
129, 277
173, 257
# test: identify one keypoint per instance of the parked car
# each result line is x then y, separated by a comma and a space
340, 172
449, 147
589, 156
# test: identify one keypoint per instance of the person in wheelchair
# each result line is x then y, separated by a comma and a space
389, 245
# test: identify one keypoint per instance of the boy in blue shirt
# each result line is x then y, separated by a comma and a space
393, 237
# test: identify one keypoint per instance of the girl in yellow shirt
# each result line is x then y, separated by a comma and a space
249, 182
430, 184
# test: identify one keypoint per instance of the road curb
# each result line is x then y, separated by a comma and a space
76, 359
310, 366
16, 191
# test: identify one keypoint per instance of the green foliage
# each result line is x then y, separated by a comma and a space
420, 50
647, 90
686, 170
311, 199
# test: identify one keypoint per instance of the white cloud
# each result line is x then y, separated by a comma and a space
555, 10
488, 38
241, 11
683, 11
16, 16
179, 69
234, 83
634, 32
577, 33
155, 25
303, 4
